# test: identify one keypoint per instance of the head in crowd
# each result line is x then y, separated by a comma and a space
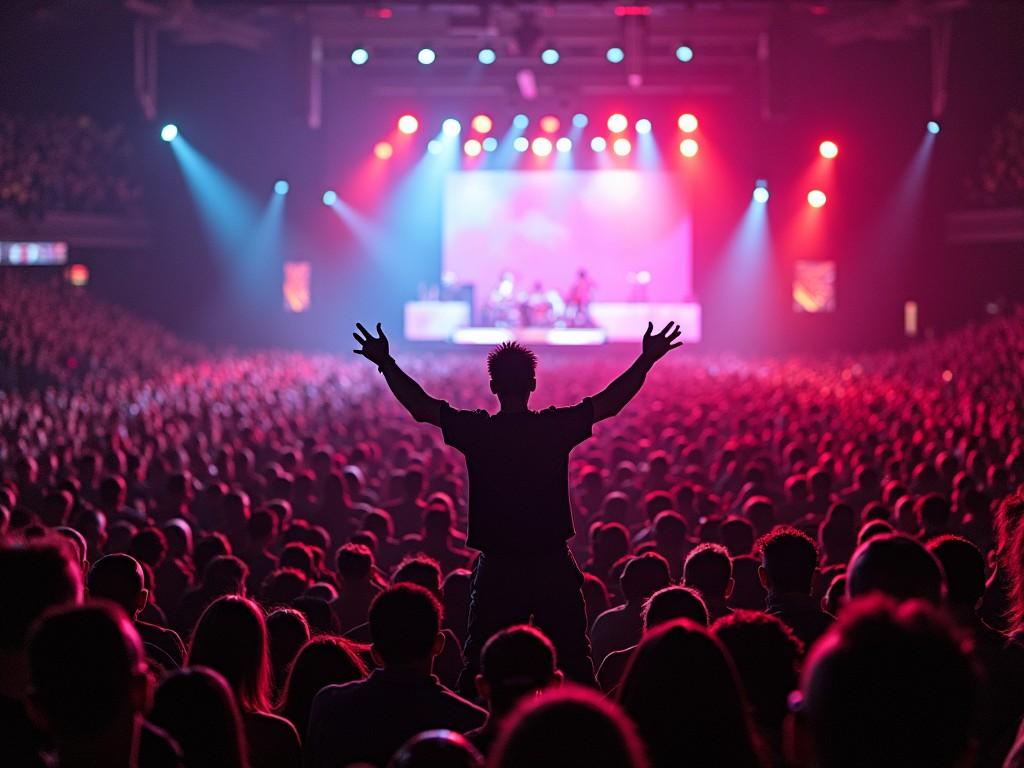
672, 603
322, 661
789, 559
119, 578
708, 569
231, 638
682, 692
196, 707
964, 568
88, 686
897, 566
287, 631
405, 625
437, 749
889, 685
568, 726
643, 576
354, 563
516, 662
33, 578
513, 371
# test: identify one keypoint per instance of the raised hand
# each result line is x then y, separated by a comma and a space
376, 350
657, 346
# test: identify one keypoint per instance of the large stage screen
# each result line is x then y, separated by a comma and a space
630, 230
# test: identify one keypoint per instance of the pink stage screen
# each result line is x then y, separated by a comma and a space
630, 230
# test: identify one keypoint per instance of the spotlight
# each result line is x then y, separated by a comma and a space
598, 144
816, 198
472, 147
688, 147
330, 197
541, 146
932, 126
580, 120
426, 56
687, 122
828, 149
520, 121
643, 125
761, 191
169, 132
550, 124
435, 147
617, 123
684, 53
281, 187
622, 147
490, 144
564, 144
408, 124
615, 55
549, 56
486, 56
383, 150
521, 144
360, 56
451, 127
482, 124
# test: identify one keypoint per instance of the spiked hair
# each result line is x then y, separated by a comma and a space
512, 367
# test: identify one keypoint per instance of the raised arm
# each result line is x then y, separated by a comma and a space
409, 393
614, 397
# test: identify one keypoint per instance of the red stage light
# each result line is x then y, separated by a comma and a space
383, 150
482, 124
542, 146
550, 124
816, 198
408, 124
632, 10
622, 147
617, 123
687, 122
472, 147
689, 148
828, 149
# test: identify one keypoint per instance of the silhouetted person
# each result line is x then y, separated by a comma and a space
519, 515
515, 663
621, 627
119, 578
357, 586
789, 559
196, 708
888, 686
569, 727
368, 720
231, 637
708, 569
897, 566
682, 691
88, 689
437, 749
320, 662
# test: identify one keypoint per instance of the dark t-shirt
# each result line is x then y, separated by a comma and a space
518, 474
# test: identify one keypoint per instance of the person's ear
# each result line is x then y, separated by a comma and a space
762, 576
483, 687
730, 587
141, 601
438, 644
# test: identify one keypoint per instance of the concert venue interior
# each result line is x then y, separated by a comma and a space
792, 230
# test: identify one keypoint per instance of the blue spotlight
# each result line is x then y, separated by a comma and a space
281, 187
549, 56
360, 56
490, 144
933, 127
521, 144
580, 120
598, 144
761, 191
564, 144
435, 147
169, 132
330, 197
520, 121
426, 56
451, 127
487, 56
643, 125
684, 53
615, 55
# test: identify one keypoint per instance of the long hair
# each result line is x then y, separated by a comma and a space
322, 661
683, 693
231, 638
197, 708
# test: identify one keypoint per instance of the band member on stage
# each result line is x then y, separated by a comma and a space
577, 310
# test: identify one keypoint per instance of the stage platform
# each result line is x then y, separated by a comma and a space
613, 322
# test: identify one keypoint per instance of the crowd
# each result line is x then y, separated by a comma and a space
67, 164
998, 179
262, 560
